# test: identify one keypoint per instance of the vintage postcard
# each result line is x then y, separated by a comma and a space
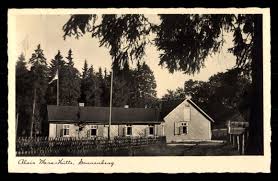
139, 90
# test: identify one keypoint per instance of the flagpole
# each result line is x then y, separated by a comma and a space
58, 84
110, 109
33, 115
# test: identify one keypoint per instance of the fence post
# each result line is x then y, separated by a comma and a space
243, 144
238, 143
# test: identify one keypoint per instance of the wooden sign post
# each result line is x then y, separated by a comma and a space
237, 132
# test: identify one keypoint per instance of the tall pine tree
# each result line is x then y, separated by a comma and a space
39, 77
106, 89
55, 64
23, 97
121, 84
84, 77
145, 86
92, 89
71, 93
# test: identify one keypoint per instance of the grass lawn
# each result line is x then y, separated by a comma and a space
186, 150
212, 149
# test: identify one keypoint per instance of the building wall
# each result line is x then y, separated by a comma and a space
199, 127
52, 130
55, 130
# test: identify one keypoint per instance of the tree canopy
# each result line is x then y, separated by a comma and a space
39, 79
223, 95
185, 41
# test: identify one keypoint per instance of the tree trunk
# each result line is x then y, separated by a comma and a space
16, 125
255, 142
33, 115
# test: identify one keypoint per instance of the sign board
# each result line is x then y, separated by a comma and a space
236, 127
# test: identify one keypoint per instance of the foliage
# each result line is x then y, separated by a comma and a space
185, 41
124, 35
91, 87
23, 97
69, 81
71, 93
145, 85
178, 94
56, 64
39, 79
134, 87
224, 94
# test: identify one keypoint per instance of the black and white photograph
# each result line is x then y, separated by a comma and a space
122, 84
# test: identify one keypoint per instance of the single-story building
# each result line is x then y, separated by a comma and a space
88, 122
180, 122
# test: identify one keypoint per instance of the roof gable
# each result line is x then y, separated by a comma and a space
169, 106
177, 112
188, 101
200, 110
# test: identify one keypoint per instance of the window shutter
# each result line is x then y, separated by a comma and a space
88, 133
176, 131
58, 130
124, 131
158, 130
101, 131
181, 129
120, 130
147, 131
61, 132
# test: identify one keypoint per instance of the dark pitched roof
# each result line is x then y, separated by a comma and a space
101, 114
200, 110
168, 106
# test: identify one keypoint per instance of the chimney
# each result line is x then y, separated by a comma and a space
81, 104
126, 106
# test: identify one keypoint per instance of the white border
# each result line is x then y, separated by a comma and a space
174, 164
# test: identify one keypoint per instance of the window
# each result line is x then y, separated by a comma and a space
66, 129
93, 130
181, 128
151, 130
128, 130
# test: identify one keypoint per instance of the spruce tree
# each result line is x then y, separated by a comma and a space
121, 85
71, 92
55, 64
39, 77
84, 77
145, 84
92, 89
23, 97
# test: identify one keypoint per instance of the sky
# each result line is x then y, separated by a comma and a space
46, 30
